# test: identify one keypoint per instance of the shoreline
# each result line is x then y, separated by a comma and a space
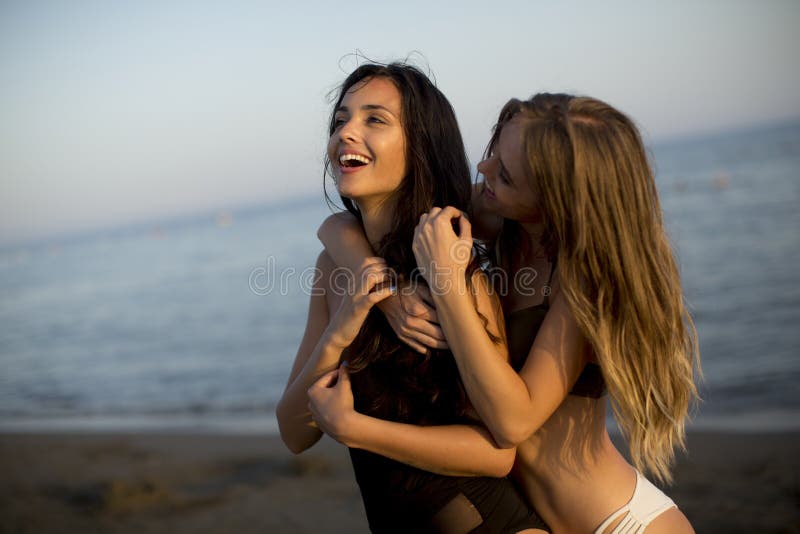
767, 421
200, 482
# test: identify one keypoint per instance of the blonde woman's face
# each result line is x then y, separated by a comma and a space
506, 189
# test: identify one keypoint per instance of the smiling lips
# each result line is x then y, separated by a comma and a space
350, 161
488, 190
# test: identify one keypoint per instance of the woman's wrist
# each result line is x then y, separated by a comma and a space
452, 291
447, 281
333, 340
348, 429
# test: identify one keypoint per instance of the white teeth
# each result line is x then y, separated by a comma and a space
353, 157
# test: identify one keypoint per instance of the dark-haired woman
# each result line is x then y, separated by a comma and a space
394, 152
568, 195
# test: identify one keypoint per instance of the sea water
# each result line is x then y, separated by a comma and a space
193, 324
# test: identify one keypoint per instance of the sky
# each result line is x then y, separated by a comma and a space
113, 112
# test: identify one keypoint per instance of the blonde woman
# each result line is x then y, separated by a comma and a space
568, 196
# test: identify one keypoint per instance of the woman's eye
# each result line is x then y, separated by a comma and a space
337, 123
375, 119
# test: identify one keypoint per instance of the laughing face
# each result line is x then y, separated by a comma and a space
506, 189
367, 148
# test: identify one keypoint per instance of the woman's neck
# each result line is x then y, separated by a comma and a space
377, 221
534, 231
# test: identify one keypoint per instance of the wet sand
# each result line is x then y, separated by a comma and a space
151, 483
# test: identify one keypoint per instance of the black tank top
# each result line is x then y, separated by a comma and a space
521, 328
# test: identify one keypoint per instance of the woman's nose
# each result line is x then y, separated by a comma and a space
485, 168
348, 131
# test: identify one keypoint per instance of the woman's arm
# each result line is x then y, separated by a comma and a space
464, 450
409, 313
315, 356
320, 350
344, 240
453, 450
513, 406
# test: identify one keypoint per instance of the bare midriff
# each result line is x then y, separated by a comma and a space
571, 471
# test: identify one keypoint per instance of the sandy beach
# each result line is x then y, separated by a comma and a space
151, 483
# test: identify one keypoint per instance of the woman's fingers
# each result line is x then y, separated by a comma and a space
455, 219
411, 342
325, 381
449, 212
421, 310
374, 275
426, 328
429, 342
424, 293
380, 294
422, 305
416, 305
372, 260
465, 228
443, 219
424, 348
343, 381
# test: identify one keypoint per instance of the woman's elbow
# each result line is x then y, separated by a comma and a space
509, 436
295, 442
294, 446
289, 435
504, 462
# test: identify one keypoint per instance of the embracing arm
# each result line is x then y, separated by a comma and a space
513, 406
412, 319
344, 240
325, 339
465, 450
315, 356
452, 450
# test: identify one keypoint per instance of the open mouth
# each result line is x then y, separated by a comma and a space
350, 161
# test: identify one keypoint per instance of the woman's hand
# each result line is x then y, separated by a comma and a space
441, 254
330, 401
413, 318
451, 450
373, 283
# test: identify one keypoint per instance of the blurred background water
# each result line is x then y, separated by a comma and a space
194, 323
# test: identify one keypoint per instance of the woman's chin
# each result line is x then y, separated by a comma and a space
352, 191
346, 192
347, 187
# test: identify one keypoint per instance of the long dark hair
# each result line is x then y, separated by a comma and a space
402, 384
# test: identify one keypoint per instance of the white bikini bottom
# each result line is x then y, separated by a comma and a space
647, 503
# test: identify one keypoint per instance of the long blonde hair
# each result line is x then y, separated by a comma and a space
602, 216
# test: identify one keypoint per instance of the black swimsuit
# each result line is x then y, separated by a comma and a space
521, 328
401, 498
